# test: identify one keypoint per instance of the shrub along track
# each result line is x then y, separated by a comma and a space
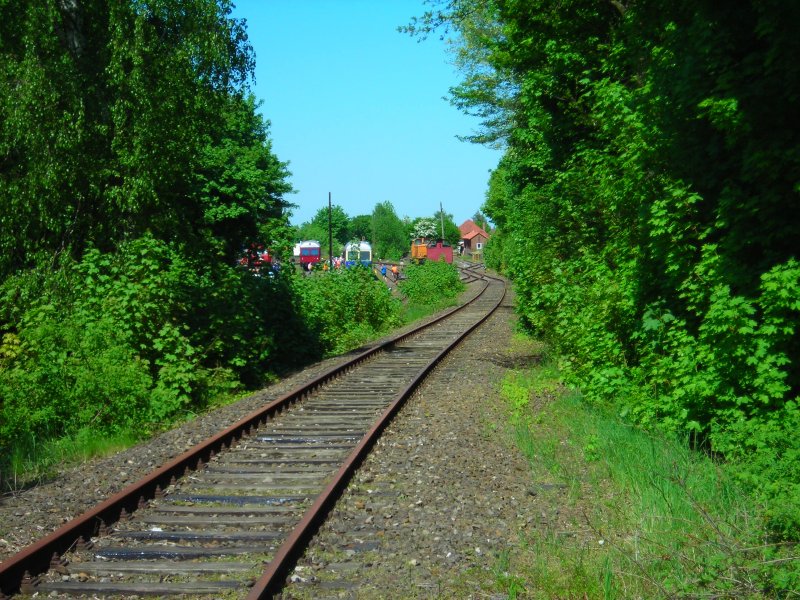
214, 529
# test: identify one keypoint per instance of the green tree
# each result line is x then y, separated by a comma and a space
452, 234
388, 233
481, 221
311, 231
646, 207
360, 228
105, 109
241, 183
339, 223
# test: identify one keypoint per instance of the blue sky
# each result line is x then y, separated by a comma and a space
358, 110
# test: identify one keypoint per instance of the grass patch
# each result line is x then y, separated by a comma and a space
640, 515
30, 463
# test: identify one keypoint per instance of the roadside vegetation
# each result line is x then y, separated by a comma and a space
429, 287
639, 514
646, 211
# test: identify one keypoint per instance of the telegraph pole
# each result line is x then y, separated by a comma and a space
441, 218
330, 234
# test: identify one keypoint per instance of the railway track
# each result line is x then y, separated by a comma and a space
230, 516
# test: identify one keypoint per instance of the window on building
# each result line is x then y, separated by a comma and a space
479, 245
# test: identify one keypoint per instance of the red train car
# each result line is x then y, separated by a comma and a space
440, 251
256, 258
310, 252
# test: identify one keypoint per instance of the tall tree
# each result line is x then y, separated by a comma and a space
240, 182
339, 223
647, 206
360, 228
105, 111
481, 221
388, 233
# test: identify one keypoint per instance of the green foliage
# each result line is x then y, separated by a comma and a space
676, 523
135, 169
646, 209
107, 112
345, 308
360, 228
431, 283
311, 231
108, 348
452, 234
339, 225
70, 374
388, 233
242, 183
481, 221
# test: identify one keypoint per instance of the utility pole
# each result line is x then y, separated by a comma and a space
441, 218
330, 233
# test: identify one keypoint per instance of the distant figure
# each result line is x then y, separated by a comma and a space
383, 271
394, 272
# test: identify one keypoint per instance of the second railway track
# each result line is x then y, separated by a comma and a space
250, 497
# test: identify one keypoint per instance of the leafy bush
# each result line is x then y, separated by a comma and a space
345, 308
103, 347
431, 283
71, 373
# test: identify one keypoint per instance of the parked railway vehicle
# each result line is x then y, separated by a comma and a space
357, 253
256, 259
440, 251
310, 253
422, 250
419, 250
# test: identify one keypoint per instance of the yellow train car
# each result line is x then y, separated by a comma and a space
419, 250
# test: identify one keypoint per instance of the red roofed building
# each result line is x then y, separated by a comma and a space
473, 238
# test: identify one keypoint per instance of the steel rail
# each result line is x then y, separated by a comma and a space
15, 572
272, 580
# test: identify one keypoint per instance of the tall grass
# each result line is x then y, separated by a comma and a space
414, 312
649, 516
29, 461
